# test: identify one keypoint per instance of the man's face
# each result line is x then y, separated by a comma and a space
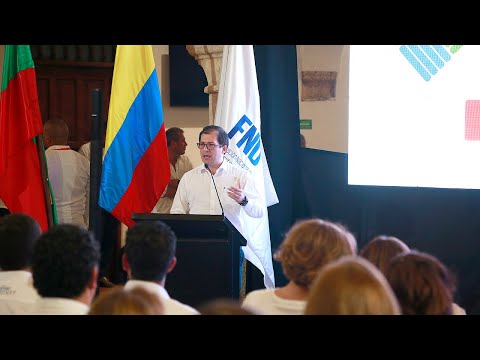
214, 157
180, 146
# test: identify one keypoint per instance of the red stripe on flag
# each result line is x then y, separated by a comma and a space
20, 115
149, 180
21, 186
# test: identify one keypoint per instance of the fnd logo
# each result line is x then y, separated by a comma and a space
428, 59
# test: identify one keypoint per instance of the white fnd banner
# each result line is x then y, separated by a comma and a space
238, 112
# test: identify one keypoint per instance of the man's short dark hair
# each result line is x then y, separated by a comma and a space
173, 134
63, 261
222, 135
150, 247
18, 233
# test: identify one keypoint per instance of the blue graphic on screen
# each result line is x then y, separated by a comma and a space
428, 59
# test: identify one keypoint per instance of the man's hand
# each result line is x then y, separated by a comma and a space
236, 193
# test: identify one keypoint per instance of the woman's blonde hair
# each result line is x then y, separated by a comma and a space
351, 286
309, 245
119, 301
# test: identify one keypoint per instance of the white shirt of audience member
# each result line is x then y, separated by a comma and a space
69, 175
172, 307
17, 294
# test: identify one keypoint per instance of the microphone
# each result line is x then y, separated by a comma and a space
215, 186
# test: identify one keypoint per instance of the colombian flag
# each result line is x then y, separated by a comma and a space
21, 185
136, 169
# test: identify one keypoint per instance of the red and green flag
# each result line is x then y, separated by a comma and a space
21, 182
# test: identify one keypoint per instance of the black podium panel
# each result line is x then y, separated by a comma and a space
208, 249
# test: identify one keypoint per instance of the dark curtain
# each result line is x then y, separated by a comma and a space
442, 222
278, 86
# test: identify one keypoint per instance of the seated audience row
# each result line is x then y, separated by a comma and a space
56, 273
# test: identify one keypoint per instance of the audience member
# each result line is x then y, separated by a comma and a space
422, 284
65, 269
225, 306
149, 255
351, 286
119, 301
69, 175
308, 246
381, 249
179, 165
18, 233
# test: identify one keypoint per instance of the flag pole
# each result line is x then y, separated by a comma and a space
96, 151
49, 201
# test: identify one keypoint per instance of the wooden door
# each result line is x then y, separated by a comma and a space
65, 90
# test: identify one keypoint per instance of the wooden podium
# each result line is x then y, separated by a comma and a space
208, 251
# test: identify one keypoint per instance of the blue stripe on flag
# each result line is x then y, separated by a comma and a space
132, 140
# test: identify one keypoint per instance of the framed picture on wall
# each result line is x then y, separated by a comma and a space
187, 79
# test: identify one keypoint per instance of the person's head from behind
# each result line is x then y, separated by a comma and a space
65, 263
381, 249
422, 284
351, 286
18, 233
213, 143
176, 141
311, 244
137, 301
150, 251
55, 132
224, 306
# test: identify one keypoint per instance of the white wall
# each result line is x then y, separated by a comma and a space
329, 118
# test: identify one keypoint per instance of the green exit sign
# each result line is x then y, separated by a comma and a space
306, 124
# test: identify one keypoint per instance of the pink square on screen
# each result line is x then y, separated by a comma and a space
472, 120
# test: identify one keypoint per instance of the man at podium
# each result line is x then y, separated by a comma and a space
218, 187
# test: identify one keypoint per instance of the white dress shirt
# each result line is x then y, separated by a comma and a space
17, 294
171, 306
196, 193
85, 150
69, 174
183, 165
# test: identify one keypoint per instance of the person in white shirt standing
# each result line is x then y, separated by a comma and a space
197, 191
85, 150
69, 175
218, 187
179, 165
18, 233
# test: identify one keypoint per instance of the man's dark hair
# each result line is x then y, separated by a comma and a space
150, 247
63, 261
173, 134
222, 135
18, 233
